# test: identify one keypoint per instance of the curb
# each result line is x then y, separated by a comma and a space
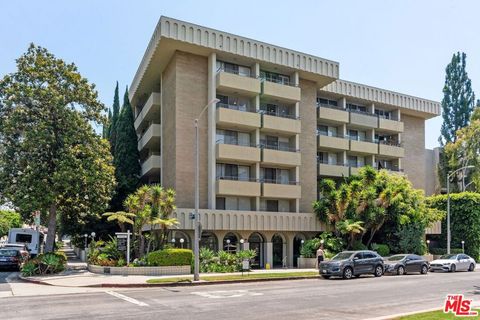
171, 284
399, 315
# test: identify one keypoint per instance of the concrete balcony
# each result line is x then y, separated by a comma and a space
151, 138
281, 158
281, 91
332, 143
230, 83
152, 165
390, 125
363, 120
363, 147
238, 188
391, 151
235, 153
333, 170
229, 118
281, 191
332, 115
150, 111
281, 125
354, 170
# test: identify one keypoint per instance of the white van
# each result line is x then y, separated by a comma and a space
32, 238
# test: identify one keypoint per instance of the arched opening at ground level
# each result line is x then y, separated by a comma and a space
279, 252
231, 242
179, 239
257, 242
209, 240
298, 241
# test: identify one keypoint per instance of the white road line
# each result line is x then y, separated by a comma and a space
222, 294
128, 299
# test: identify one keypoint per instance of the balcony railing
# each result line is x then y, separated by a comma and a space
279, 147
330, 134
278, 114
285, 82
323, 105
389, 143
279, 181
233, 71
237, 178
389, 167
358, 138
235, 107
237, 143
333, 163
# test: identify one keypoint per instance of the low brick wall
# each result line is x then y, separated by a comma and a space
141, 271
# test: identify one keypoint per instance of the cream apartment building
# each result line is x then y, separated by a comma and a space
285, 120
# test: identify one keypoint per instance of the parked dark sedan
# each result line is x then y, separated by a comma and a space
348, 264
406, 263
11, 258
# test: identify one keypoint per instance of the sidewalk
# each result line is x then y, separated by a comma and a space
83, 278
73, 262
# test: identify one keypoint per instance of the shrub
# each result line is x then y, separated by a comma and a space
464, 216
48, 263
358, 245
381, 249
105, 261
442, 251
170, 257
309, 248
411, 240
223, 261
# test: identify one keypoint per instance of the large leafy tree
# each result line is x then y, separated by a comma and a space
126, 156
375, 204
51, 159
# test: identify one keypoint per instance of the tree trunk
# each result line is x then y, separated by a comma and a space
372, 233
142, 245
52, 225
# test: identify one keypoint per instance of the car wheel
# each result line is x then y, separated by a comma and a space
326, 277
453, 268
401, 271
424, 270
378, 271
472, 267
347, 273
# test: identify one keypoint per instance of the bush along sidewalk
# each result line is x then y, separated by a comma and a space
43, 264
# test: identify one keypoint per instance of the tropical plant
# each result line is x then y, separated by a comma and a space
121, 217
350, 228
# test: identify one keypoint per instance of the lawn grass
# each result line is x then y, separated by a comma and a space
238, 277
434, 315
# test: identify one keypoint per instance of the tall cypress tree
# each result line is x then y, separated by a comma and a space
458, 98
113, 123
106, 126
126, 157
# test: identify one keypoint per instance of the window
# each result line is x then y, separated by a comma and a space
272, 141
23, 238
233, 68
274, 175
356, 107
327, 102
369, 255
220, 203
352, 161
233, 137
272, 205
275, 77
233, 172
322, 130
358, 255
353, 134
322, 157
383, 113
234, 103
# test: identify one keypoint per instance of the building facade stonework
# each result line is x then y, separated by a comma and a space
284, 120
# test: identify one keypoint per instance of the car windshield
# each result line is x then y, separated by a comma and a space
396, 258
8, 253
342, 256
449, 257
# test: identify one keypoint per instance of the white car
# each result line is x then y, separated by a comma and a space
452, 263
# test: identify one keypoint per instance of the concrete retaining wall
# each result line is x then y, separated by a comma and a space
141, 271
305, 263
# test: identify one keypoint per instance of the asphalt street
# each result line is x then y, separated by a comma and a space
4, 286
363, 298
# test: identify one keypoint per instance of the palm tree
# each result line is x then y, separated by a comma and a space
121, 217
351, 228
163, 205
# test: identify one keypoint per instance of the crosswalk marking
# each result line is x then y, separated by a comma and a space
128, 299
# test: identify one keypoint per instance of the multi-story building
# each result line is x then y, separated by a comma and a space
284, 120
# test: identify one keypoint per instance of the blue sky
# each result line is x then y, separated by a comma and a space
397, 45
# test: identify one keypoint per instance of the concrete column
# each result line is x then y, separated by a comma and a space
256, 70
295, 78
289, 251
212, 93
269, 255
161, 128
342, 103
257, 165
345, 158
371, 108
246, 246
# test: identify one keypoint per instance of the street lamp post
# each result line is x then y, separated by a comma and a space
463, 246
173, 242
86, 240
449, 175
241, 244
196, 243
93, 234
181, 242
428, 246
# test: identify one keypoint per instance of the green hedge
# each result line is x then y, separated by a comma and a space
464, 218
442, 251
170, 257
381, 249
